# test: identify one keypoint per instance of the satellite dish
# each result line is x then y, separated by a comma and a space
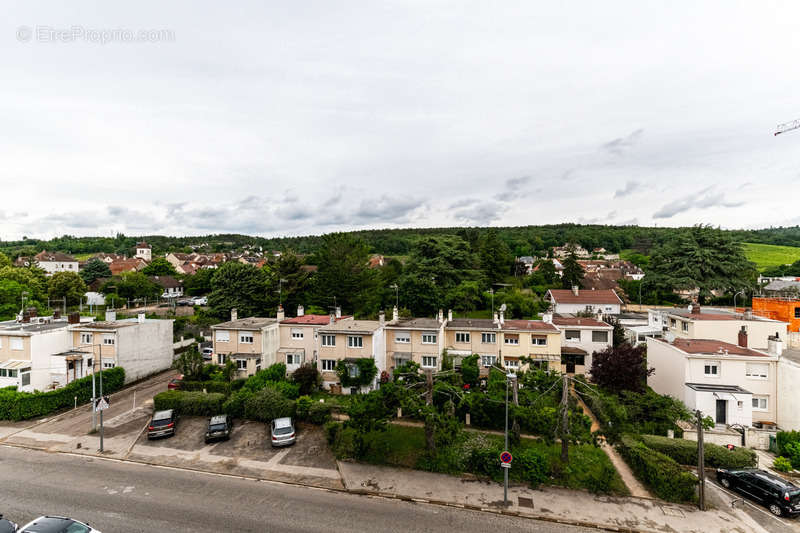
503, 307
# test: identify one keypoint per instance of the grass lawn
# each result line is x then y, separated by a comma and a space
82, 257
770, 255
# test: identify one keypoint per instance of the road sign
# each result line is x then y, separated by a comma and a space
101, 404
506, 458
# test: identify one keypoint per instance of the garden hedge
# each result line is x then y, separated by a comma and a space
659, 472
189, 403
16, 405
222, 387
685, 452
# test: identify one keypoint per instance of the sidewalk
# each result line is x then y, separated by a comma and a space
548, 503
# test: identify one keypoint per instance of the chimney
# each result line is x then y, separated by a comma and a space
743, 337
234, 314
338, 312
502, 318
26, 317
440, 316
111, 316
300, 310
775, 345
332, 319
395, 314
449, 315
575, 290
56, 314
382, 318
280, 314
74, 318
547, 318
140, 318
33, 312
495, 319
695, 308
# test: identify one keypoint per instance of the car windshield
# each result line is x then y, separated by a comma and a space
161, 422
216, 427
56, 525
282, 431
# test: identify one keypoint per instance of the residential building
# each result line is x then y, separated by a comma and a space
569, 248
173, 288
52, 262
26, 350
252, 343
788, 378
731, 383
349, 340
120, 266
528, 261
580, 338
710, 323
299, 337
784, 309
420, 340
144, 251
574, 301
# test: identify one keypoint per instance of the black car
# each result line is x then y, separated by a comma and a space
162, 425
219, 427
781, 497
7, 526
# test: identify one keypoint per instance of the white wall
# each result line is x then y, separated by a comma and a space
670, 364
43, 346
144, 348
585, 342
379, 352
788, 395
608, 309
706, 402
51, 267
270, 343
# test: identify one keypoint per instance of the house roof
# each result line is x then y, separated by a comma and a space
315, 320
574, 350
487, 324
580, 321
566, 296
250, 323
125, 265
415, 323
365, 327
528, 325
713, 347
167, 282
143, 245
45, 256
471, 323
705, 387
111, 324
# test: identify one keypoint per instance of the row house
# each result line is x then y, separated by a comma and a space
252, 343
349, 340
580, 338
418, 340
299, 337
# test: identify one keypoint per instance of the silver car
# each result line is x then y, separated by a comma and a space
282, 432
57, 524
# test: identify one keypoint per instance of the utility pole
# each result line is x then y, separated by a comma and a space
94, 395
515, 391
429, 384
505, 448
701, 470
564, 420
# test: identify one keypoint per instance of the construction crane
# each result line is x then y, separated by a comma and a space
789, 126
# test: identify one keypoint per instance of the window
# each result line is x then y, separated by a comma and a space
488, 360
16, 343
572, 334
221, 358
258, 365
684, 326
12, 373
328, 365
573, 358
600, 336
711, 369
797, 312
108, 364
297, 333
355, 341
223, 336
462, 336
488, 338
428, 361
511, 339
673, 322
26, 377
402, 337
511, 363
109, 340
428, 338
760, 403
3, 373
757, 371
353, 371
246, 338
86, 338
539, 365
329, 340
241, 364
539, 340
294, 359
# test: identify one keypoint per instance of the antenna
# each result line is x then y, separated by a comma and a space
787, 126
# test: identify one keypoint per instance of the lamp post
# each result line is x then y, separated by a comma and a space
396, 294
734, 298
509, 377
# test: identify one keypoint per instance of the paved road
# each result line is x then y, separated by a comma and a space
124, 497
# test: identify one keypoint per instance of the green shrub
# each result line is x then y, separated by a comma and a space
785, 437
234, 405
15, 405
270, 375
792, 452
659, 472
530, 466
189, 403
289, 390
332, 429
303, 404
685, 452
222, 387
319, 413
268, 404
782, 464
307, 378
366, 372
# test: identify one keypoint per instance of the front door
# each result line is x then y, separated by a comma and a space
722, 411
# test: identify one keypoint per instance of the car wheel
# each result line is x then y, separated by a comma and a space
775, 509
725, 482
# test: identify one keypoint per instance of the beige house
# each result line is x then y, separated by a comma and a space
420, 340
349, 340
580, 338
709, 323
299, 337
252, 343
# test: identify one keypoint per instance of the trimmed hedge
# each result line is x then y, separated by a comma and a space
16, 405
685, 452
659, 472
189, 403
222, 387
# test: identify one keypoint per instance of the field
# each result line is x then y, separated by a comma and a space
770, 255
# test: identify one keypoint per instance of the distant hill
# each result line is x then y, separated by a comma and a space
770, 255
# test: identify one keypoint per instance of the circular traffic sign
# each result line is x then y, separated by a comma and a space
505, 457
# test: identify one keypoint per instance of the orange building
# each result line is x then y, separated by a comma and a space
783, 309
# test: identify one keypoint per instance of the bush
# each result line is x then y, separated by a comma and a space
332, 429
15, 405
319, 413
234, 405
685, 452
303, 404
785, 437
189, 403
366, 372
307, 378
782, 464
272, 374
659, 472
289, 390
268, 404
221, 387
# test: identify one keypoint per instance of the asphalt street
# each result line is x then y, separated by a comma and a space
120, 497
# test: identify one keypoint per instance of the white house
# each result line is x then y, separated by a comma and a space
252, 343
732, 384
144, 251
52, 262
711, 323
566, 301
580, 338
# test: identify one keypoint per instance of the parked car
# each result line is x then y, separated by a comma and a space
7, 526
57, 524
208, 354
200, 300
175, 383
162, 425
185, 302
219, 428
282, 432
781, 497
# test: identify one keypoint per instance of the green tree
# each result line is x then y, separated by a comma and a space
548, 271
198, 283
466, 296
132, 285
67, 285
240, 286
573, 272
190, 364
343, 272
159, 267
34, 280
4, 260
621, 368
94, 269
496, 258
294, 287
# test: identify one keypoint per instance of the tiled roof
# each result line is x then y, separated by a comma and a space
316, 320
352, 326
579, 321
166, 282
125, 265
471, 323
566, 296
528, 325
250, 323
508, 325
416, 323
713, 347
46, 256
143, 245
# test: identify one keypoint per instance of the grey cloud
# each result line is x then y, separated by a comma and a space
621, 144
464, 202
387, 209
630, 187
514, 184
704, 199
481, 214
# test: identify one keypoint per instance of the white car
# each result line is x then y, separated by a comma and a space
56, 524
200, 300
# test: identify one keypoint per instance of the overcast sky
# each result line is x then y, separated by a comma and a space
291, 118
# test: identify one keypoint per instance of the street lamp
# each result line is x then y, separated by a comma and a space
510, 376
734, 298
396, 294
